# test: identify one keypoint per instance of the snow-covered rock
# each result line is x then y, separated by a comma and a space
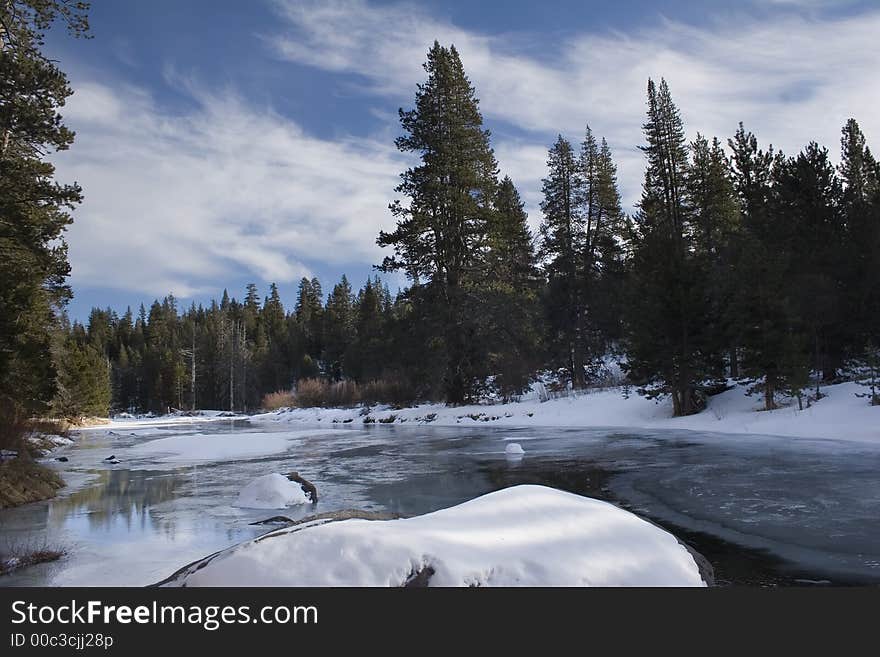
271, 491
520, 536
514, 449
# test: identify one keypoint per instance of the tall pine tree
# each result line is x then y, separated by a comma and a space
441, 232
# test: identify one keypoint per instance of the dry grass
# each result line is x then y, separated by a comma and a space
23, 480
279, 399
312, 393
23, 556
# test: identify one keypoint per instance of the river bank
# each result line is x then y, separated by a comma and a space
839, 415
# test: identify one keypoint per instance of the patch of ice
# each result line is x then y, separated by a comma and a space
200, 448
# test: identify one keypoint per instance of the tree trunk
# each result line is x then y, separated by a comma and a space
734, 363
676, 403
769, 401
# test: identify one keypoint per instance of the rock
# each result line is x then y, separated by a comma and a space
344, 514
307, 486
514, 450
8, 454
295, 525
419, 579
63, 459
112, 457
274, 520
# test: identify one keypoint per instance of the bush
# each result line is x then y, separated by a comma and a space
346, 393
13, 427
388, 391
272, 401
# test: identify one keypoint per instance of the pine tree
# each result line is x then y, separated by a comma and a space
440, 235
34, 208
562, 249
761, 309
667, 349
860, 178
367, 356
716, 222
339, 329
808, 200
83, 381
609, 259
511, 299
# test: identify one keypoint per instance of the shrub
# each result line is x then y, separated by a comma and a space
316, 392
346, 393
388, 391
272, 401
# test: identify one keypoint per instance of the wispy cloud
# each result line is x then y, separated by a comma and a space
185, 200
790, 77
182, 203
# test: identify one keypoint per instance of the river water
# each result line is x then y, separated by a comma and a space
764, 510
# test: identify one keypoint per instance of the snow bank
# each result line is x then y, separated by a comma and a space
520, 536
125, 421
840, 415
271, 491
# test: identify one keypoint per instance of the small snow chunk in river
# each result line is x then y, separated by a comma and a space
271, 491
514, 449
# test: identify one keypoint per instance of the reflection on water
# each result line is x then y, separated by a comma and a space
763, 510
119, 502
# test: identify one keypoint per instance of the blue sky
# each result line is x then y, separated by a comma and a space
223, 142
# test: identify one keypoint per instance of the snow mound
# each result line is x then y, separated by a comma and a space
520, 536
271, 491
514, 449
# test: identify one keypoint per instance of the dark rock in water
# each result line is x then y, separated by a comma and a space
112, 457
63, 459
274, 520
344, 514
419, 579
707, 572
8, 454
307, 486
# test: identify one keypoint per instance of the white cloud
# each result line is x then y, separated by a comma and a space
184, 202
790, 77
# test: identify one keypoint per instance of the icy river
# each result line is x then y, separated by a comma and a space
763, 510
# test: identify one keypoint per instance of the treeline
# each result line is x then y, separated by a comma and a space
739, 262
230, 354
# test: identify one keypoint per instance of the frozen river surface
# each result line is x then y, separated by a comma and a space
763, 510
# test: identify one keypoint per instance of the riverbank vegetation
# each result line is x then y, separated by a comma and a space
13, 559
739, 263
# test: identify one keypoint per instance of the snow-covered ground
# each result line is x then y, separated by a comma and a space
520, 536
839, 415
125, 421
